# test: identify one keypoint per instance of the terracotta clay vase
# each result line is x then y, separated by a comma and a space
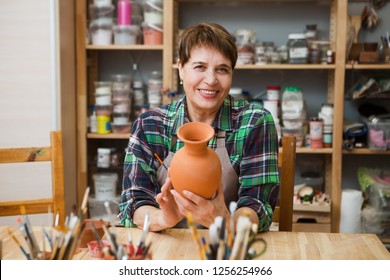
195, 167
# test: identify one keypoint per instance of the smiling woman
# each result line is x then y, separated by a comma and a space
244, 138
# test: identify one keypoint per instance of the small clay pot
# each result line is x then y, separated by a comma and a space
371, 47
88, 234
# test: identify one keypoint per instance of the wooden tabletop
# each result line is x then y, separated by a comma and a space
177, 244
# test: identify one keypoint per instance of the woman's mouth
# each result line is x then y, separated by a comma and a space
208, 93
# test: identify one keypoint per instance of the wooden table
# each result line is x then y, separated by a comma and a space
177, 244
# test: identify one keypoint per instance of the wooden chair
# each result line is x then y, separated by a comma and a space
283, 214
52, 153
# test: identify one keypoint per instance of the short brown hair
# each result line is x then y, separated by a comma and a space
207, 35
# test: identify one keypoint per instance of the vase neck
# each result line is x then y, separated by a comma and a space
196, 147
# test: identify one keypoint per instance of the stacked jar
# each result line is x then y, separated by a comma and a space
125, 33
102, 17
245, 40
103, 106
138, 91
121, 98
272, 104
153, 22
293, 113
154, 89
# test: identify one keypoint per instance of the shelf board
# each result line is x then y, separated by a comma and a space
286, 66
126, 47
366, 152
108, 136
312, 208
385, 240
281, 67
243, 1
303, 150
368, 66
127, 135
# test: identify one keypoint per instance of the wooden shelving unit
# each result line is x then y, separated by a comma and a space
338, 17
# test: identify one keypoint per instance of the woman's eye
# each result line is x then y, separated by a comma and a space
223, 70
199, 67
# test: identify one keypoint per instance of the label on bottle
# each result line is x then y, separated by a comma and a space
298, 53
137, 84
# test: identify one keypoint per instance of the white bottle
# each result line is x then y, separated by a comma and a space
93, 122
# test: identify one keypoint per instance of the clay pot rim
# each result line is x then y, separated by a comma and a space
209, 128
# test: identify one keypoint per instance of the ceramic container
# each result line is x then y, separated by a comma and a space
88, 233
196, 167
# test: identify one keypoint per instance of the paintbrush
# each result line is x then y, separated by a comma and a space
195, 235
160, 161
83, 207
97, 236
243, 223
231, 231
145, 231
221, 243
213, 232
19, 245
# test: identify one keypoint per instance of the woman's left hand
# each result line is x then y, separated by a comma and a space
203, 210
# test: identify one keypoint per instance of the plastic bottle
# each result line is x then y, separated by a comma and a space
93, 122
124, 12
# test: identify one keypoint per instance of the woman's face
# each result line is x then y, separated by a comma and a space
207, 78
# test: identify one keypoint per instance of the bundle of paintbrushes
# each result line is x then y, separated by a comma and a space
62, 239
228, 241
112, 249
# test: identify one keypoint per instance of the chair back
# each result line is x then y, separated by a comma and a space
283, 213
53, 154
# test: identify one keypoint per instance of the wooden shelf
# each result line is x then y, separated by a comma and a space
126, 47
312, 208
314, 151
304, 150
281, 67
367, 66
366, 152
108, 136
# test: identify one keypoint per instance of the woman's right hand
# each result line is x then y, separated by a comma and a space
170, 213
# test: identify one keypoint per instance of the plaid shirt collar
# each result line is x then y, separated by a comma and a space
223, 120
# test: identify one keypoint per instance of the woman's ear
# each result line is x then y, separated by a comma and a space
180, 67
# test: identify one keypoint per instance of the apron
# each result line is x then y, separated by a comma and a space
229, 175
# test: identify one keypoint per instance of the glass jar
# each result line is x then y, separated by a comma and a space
298, 49
314, 53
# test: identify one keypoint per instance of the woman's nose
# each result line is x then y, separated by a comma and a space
211, 78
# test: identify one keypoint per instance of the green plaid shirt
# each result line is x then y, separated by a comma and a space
251, 142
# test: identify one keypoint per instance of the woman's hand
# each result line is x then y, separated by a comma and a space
203, 210
170, 213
